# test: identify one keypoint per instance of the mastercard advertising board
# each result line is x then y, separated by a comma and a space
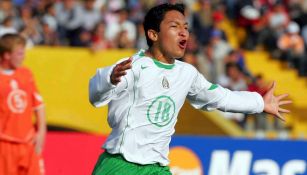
184, 161
228, 156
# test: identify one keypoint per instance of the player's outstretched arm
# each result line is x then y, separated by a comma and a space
272, 103
120, 70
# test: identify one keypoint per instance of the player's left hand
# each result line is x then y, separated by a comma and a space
38, 143
272, 104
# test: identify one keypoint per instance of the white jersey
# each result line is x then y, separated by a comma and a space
144, 106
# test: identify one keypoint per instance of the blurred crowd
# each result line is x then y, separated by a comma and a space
278, 26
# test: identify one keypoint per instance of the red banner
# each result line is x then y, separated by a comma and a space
71, 152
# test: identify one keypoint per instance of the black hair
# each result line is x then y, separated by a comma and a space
232, 65
155, 15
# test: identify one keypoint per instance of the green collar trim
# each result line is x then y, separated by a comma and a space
212, 87
141, 53
163, 65
158, 63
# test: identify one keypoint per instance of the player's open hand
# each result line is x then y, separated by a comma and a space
272, 104
120, 70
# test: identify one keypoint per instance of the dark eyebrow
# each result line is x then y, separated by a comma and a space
186, 23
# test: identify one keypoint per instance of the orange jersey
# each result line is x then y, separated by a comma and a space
18, 100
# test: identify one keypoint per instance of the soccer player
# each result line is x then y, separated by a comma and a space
146, 91
21, 142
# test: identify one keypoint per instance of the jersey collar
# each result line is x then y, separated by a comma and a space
158, 63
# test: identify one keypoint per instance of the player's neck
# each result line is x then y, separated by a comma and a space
6, 71
158, 55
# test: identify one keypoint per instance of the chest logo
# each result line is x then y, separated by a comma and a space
17, 99
143, 67
165, 83
161, 111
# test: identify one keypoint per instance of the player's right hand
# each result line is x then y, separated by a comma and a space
120, 70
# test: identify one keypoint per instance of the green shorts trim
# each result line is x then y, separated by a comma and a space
115, 164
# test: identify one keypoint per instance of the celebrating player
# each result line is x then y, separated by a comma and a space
146, 91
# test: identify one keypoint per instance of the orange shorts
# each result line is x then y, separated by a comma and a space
19, 159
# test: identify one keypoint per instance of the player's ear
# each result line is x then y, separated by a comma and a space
152, 34
6, 56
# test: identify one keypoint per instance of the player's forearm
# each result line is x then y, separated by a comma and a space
226, 100
242, 102
41, 130
41, 122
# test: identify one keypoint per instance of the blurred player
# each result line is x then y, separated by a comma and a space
21, 142
146, 91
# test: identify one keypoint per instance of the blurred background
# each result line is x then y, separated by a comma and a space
239, 44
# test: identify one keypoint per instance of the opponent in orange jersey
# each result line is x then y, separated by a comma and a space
21, 142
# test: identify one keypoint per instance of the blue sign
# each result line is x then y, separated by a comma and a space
232, 156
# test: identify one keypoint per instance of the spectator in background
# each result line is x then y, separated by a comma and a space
28, 26
233, 78
291, 45
190, 57
99, 41
193, 45
123, 28
38, 7
49, 36
236, 56
49, 17
21, 141
258, 85
194, 56
7, 26
301, 18
69, 15
7, 9
91, 15
202, 21
49, 25
220, 49
122, 40
206, 64
218, 22
277, 20
250, 20
136, 11
110, 15
19, 2
85, 38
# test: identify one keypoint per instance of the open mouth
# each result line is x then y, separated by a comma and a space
183, 44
